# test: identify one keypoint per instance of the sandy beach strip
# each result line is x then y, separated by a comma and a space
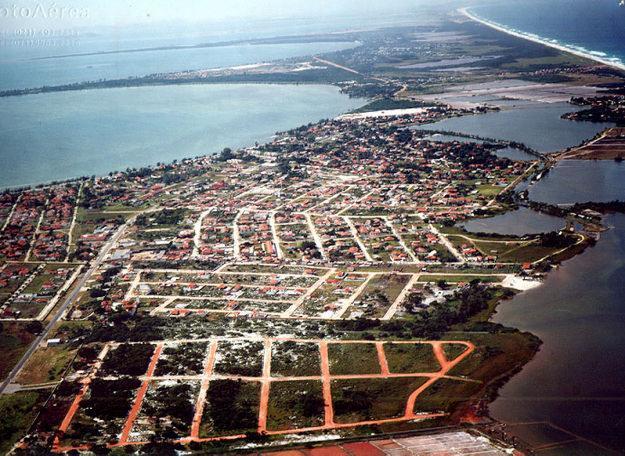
383, 113
535, 39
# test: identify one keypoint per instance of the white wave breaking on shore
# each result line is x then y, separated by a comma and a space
597, 56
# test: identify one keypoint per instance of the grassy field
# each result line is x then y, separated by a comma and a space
489, 190
17, 412
475, 236
496, 248
46, 365
452, 351
512, 250
495, 354
527, 253
410, 358
366, 399
445, 395
231, 408
14, 340
295, 405
346, 359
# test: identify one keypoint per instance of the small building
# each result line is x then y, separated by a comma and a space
53, 342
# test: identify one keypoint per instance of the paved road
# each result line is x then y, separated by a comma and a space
448, 244
69, 300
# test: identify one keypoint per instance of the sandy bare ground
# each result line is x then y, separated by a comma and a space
500, 92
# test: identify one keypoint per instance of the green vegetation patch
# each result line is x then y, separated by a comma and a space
489, 190
540, 62
168, 408
164, 218
445, 395
351, 359
495, 354
372, 399
452, 351
528, 253
182, 359
240, 357
458, 230
295, 359
103, 412
410, 358
14, 340
110, 398
295, 405
231, 408
16, 414
496, 248
128, 359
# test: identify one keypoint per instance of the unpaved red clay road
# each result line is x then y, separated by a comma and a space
266, 380
134, 411
199, 405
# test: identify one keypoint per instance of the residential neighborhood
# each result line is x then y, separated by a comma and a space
348, 229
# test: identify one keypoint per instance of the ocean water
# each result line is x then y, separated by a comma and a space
591, 26
69, 134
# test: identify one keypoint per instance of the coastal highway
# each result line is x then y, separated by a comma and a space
69, 300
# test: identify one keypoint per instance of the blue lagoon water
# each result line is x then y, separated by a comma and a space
538, 126
26, 62
62, 135
577, 379
20, 72
506, 152
578, 181
516, 223
69, 134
